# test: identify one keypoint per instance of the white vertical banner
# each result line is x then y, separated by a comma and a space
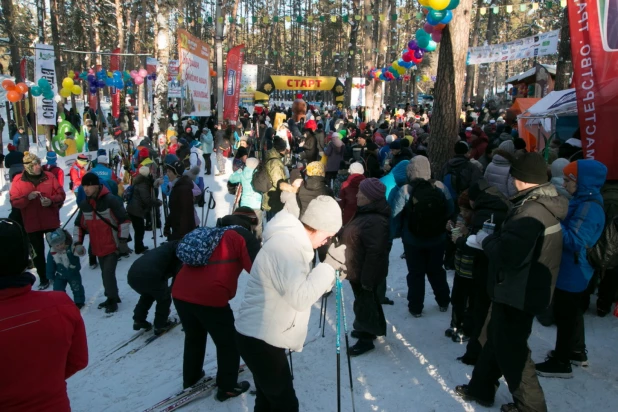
45, 67
358, 92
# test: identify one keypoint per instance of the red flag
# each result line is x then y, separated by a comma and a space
231, 87
594, 48
114, 64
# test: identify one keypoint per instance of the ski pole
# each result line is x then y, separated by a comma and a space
70, 218
338, 340
347, 346
291, 364
324, 318
321, 312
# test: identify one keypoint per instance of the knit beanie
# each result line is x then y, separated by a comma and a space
144, 171
530, 168
143, 153
323, 213
371, 146
57, 237
461, 148
508, 146
177, 167
102, 159
30, 159
51, 157
356, 168
170, 158
11, 148
14, 248
396, 145
252, 163
311, 125
183, 141
478, 187
90, 179
464, 200
240, 152
373, 189
279, 144
379, 140
194, 172
419, 168
315, 169
557, 167
570, 171
389, 139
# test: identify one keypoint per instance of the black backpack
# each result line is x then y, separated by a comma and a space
604, 254
261, 179
427, 210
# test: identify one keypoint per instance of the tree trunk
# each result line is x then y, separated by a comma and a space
159, 117
120, 25
7, 10
449, 87
232, 30
565, 63
471, 68
484, 68
40, 19
382, 56
368, 52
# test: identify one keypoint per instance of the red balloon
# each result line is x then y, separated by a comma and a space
407, 56
417, 61
440, 26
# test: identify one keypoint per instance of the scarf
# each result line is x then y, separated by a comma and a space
17, 281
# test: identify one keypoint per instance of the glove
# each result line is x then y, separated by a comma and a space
123, 247
335, 257
480, 236
46, 202
79, 250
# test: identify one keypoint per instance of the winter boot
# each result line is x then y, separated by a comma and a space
239, 389
140, 251
362, 346
79, 305
142, 325
186, 385
44, 284
112, 306
576, 358
467, 359
450, 332
463, 391
161, 330
387, 301
460, 337
105, 304
554, 368
509, 407
444, 308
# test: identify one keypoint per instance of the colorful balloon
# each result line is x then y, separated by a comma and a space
139, 80
412, 45
67, 83
93, 90
447, 19
440, 26
36, 91
428, 28
422, 43
433, 21
65, 92
406, 57
424, 3
8, 85
437, 14
436, 36
439, 4
142, 73
13, 96
452, 5
401, 70
133, 74
76, 89
418, 54
21, 88
431, 46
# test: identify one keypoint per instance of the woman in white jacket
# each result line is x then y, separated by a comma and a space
282, 287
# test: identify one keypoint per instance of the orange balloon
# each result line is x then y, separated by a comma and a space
8, 84
13, 96
22, 88
425, 11
439, 26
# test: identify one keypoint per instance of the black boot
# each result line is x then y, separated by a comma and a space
239, 389
142, 325
112, 306
109, 301
362, 346
159, 330
464, 392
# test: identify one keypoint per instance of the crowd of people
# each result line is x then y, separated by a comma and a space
321, 195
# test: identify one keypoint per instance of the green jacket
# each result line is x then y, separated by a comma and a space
271, 200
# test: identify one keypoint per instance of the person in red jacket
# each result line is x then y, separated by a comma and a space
478, 143
42, 335
349, 190
52, 168
202, 290
78, 170
39, 197
103, 217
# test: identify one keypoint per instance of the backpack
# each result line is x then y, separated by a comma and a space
604, 254
426, 210
127, 195
199, 161
261, 179
197, 246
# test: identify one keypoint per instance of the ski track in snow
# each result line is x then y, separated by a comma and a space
413, 368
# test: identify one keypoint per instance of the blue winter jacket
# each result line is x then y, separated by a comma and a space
104, 173
582, 226
249, 197
383, 154
52, 269
395, 179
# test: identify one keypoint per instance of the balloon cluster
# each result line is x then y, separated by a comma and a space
69, 87
14, 92
438, 14
119, 80
42, 88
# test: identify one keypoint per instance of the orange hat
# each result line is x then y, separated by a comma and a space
570, 171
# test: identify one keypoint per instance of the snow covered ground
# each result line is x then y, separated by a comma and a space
413, 368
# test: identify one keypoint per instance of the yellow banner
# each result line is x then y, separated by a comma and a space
303, 83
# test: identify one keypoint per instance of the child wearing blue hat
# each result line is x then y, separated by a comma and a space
63, 267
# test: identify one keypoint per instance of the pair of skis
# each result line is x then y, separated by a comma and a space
147, 342
203, 388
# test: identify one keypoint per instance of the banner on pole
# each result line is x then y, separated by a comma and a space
151, 65
248, 80
45, 67
231, 85
114, 64
358, 92
174, 87
594, 48
194, 56
541, 44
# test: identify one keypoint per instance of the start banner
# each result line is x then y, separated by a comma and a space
594, 48
303, 83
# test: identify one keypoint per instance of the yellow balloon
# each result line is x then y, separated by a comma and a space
67, 83
110, 74
65, 92
438, 4
71, 74
396, 65
401, 70
76, 89
424, 3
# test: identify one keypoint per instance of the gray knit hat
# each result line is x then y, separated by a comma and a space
508, 146
323, 213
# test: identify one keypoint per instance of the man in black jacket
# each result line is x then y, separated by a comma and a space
524, 260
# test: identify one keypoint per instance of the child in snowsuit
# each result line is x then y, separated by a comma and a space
63, 266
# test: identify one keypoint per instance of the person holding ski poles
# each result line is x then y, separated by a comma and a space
282, 287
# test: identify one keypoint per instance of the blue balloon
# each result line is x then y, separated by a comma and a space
437, 14
452, 5
424, 42
407, 65
101, 84
119, 84
48, 95
117, 74
433, 21
93, 90
109, 82
447, 19
421, 34
381, 77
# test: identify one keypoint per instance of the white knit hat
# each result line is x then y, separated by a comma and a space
252, 163
103, 159
389, 139
323, 213
144, 171
356, 168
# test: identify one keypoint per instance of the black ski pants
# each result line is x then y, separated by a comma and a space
482, 302
271, 374
198, 322
207, 163
37, 240
506, 353
151, 291
569, 317
462, 299
421, 261
139, 229
108, 273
